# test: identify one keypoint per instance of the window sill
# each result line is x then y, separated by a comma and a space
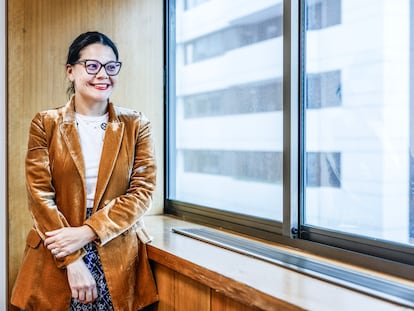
242, 277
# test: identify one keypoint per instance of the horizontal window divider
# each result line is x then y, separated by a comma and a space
365, 245
247, 225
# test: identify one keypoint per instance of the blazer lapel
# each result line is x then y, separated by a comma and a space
70, 136
110, 150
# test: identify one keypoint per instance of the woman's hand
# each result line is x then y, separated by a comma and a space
65, 241
81, 282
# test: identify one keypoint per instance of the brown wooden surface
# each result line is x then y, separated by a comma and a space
178, 292
253, 283
190, 295
165, 283
39, 34
219, 302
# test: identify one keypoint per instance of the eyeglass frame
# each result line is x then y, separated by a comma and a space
83, 61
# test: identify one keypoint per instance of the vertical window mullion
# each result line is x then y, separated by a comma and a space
290, 117
169, 80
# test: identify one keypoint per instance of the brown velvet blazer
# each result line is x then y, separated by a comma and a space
56, 190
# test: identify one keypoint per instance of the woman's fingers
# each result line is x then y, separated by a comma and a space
68, 239
81, 282
87, 295
91, 295
81, 295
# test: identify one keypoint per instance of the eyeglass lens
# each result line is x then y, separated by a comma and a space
111, 68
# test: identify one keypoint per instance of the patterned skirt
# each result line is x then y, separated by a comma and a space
93, 262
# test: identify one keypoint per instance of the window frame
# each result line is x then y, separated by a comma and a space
381, 256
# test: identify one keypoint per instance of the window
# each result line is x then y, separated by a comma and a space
301, 135
366, 124
226, 108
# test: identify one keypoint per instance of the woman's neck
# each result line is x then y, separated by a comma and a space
88, 109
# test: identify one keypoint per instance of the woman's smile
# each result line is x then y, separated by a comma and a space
101, 86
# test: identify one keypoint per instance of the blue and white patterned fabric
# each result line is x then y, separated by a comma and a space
93, 262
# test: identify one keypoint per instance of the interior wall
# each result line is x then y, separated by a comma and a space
3, 148
39, 34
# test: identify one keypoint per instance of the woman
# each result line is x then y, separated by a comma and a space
90, 173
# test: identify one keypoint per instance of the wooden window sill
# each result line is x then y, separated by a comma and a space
250, 281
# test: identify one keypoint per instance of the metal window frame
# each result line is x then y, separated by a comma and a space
393, 259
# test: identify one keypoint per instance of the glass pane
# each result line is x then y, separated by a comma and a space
359, 164
226, 116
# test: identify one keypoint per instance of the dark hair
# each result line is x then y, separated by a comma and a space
82, 41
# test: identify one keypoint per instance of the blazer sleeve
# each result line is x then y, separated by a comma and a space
40, 191
123, 212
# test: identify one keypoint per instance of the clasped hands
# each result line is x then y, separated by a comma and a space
65, 241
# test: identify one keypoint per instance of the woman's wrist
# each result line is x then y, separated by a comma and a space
90, 235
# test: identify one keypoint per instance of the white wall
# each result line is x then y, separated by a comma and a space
3, 149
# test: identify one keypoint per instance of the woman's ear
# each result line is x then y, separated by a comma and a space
69, 73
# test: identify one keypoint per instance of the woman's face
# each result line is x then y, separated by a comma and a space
91, 89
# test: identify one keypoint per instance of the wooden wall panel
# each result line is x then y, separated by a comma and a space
39, 33
178, 292
165, 284
18, 217
219, 302
191, 295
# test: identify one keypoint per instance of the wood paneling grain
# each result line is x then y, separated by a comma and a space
219, 302
18, 216
39, 34
178, 292
191, 295
165, 283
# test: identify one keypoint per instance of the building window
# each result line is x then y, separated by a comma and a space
236, 164
233, 37
323, 89
257, 97
323, 169
323, 13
